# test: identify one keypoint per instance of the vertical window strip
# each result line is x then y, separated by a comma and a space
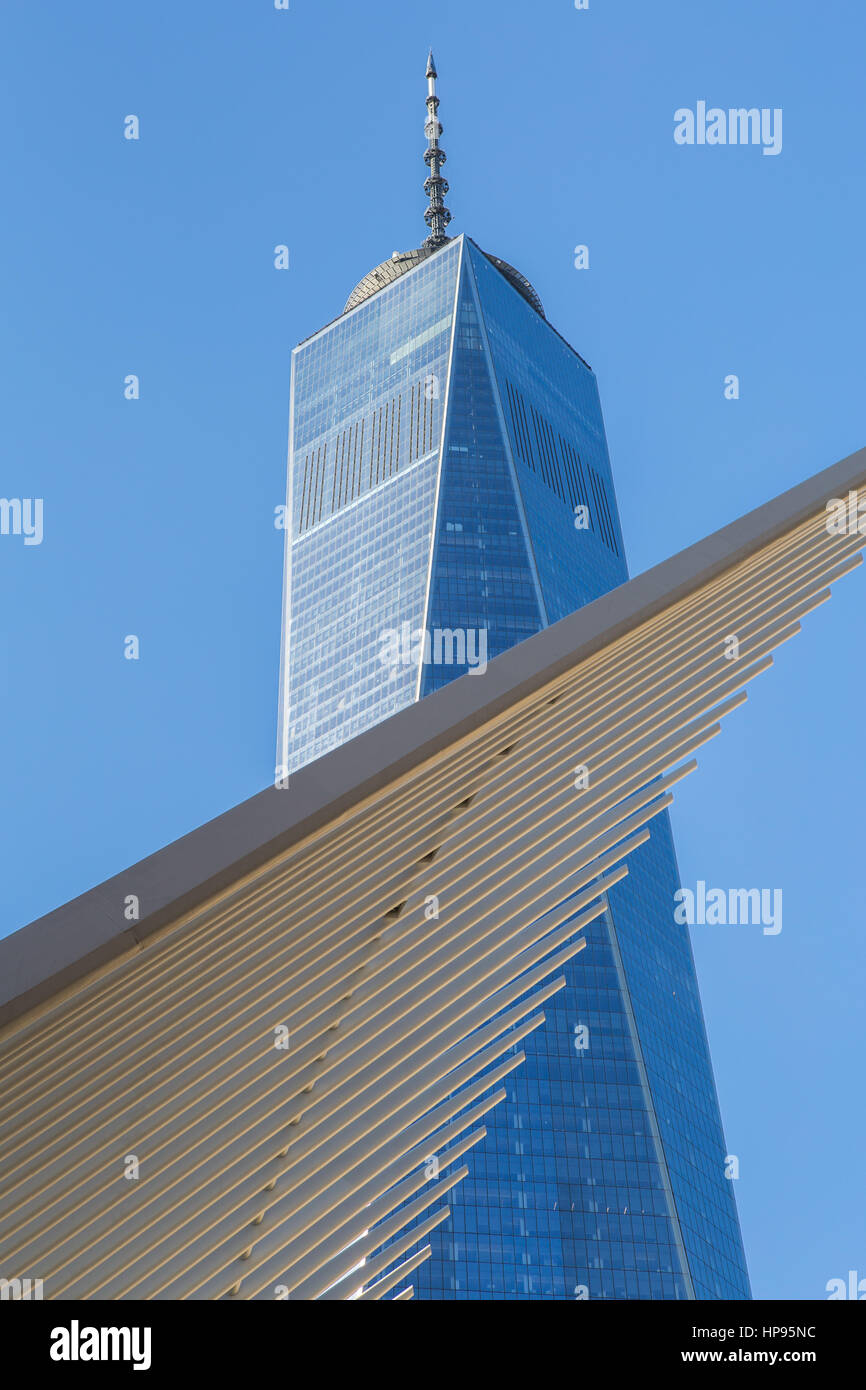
379, 447
581, 479
530, 453
596, 509
568, 463
514, 422
536, 450
311, 491
554, 462
344, 465
305, 492
609, 532
602, 509
326, 464
541, 451
334, 485
610, 526
392, 458
602, 497
321, 465
564, 488
412, 422
339, 460
554, 459
545, 443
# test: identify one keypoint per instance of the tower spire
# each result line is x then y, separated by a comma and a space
437, 215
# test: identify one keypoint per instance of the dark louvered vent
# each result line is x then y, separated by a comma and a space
367, 452
559, 465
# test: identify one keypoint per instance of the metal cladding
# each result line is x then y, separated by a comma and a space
386, 274
296, 1063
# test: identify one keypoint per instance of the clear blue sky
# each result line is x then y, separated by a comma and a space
155, 257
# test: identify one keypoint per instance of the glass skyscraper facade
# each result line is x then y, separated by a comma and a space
449, 474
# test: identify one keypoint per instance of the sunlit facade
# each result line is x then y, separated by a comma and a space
368, 399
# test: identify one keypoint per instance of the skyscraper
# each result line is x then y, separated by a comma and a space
450, 493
